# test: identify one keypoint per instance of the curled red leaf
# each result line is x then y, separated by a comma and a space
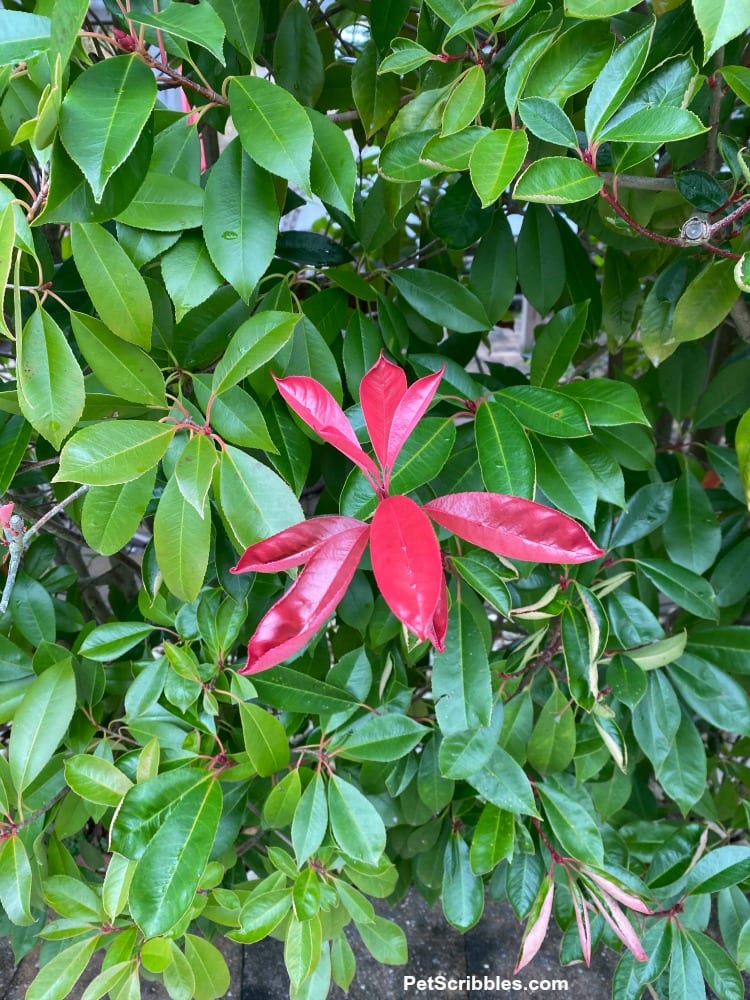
312, 598
380, 391
407, 564
411, 407
314, 404
514, 527
439, 627
293, 546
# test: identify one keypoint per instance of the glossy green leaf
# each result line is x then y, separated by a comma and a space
273, 128
124, 369
235, 415
461, 675
241, 21
606, 402
692, 535
164, 203
51, 391
595, 8
666, 124
23, 36
465, 101
502, 782
571, 823
297, 57
182, 539
382, 738
40, 722
111, 641
492, 275
682, 586
557, 180
254, 344
441, 300
544, 411
462, 891
310, 820
254, 501
683, 772
573, 61
265, 740
721, 867
198, 24
646, 510
112, 514
726, 396
15, 433
494, 162
720, 21
96, 780
523, 61
565, 479
189, 275
505, 453
385, 941
355, 823
462, 754
405, 55
486, 574
375, 97
116, 288
103, 114
108, 454
333, 171
57, 978
616, 80
553, 738
289, 689
194, 471
168, 872
541, 261
15, 881
494, 839
711, 693
548, 121
556, 342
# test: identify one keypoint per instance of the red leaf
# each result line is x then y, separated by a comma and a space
439, 626
536, 929
292, 546
314, 404
413, 404
514, 527
380, 392
312, 598
407, 563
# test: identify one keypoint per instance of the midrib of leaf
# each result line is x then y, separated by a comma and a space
116, 118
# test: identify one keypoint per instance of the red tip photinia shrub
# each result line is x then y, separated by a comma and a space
404, 550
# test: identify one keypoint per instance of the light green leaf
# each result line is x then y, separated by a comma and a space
381, 738
106, 454
545, 411
96, 780
197, 23
116, 288
256, 341
194, 471
557, 180
273, 128
241, 20
266, 741
385, 941
182, 538
57, 978
505, 453
124, 369
706, 302
616, 80
571, 63
720, 21
595, 8
441, 299
51, 391
22, 36
113, 640
254, 501
188, 274
493, 840
116, 885
355, 823
333, 170
112, 514
164, 203
548, 121
660, 125
494, 162
405, 55
15, 879
235, 416
103, 114
241, 219
465, 101
212, 978
40, 722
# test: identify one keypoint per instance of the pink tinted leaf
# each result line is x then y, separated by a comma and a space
620, 924
312, 598
628, 899
439, 626
415, 401
407, 563
293, 546
536, 929
514, 527
380, 392
582, 921
314, 404
5, 513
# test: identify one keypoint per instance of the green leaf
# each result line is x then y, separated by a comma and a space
375, 97
544, 411
32, 610
400, 159
502, 782
164, 203
682, 586
727, 647
463, 754
115, 452
717, 967
523, 60
256, 342
297, 58
40, 722
556, 342
116, 886
111, 515
385, 941
493, 840
453, 152
283, 687
706, 302
573, 61
168, 872
505, 453
405, 55
15, 433
103, 114
606, 403
262, 912
571, 823
111, 641
333, 171
548, 121
254, 501
265, 739
720, 868
553, 739
461, 675
683, 772
273, 128
22, 36
241, 20
182, 538
494, 162
198, 24
557, 180
381, 738
720, 21
310, 820
241, 219
539, 241
462, 893
616, 80
51, 390
194, 471
57, 978
595, 8
486, 574
726, 396
465, 101
116, 288
711, 693
96, 780
492, 275
657, 125
189, 275
692, 535
441, 300
124, 369
566, 480
355, 823
15, 881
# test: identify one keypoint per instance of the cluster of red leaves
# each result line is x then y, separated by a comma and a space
404, 550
